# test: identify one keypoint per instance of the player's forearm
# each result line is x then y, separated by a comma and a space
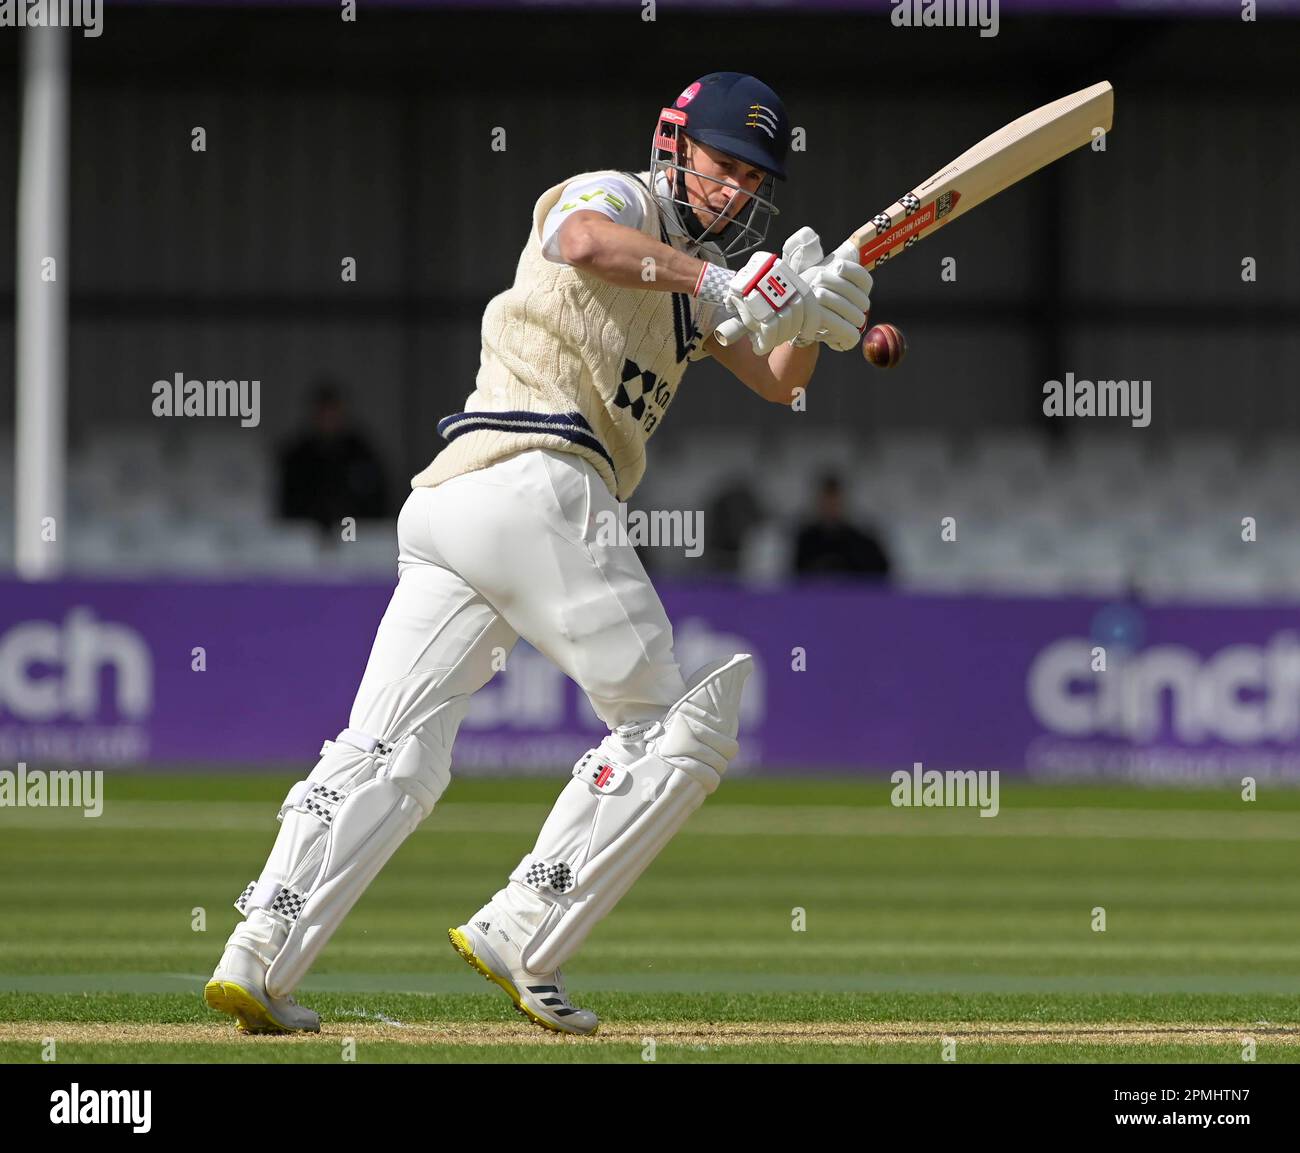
791, 369
627, 258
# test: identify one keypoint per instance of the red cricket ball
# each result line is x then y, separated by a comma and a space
884, 346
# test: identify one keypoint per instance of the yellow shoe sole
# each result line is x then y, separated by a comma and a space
461, 944
236, 1001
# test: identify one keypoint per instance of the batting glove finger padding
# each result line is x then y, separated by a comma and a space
842, 291
803, 250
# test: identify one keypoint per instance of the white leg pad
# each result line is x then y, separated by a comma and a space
338, 829
615, 817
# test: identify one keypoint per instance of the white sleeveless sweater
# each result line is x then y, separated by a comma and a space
573, 364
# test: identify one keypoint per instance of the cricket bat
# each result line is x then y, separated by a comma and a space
978, 174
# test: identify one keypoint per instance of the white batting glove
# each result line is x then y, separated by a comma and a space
767, 296
803, 252
841, 290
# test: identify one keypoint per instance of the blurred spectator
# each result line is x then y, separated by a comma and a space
831, 545
330, 471
733, 513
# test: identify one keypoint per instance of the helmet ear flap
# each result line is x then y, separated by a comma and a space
668, 133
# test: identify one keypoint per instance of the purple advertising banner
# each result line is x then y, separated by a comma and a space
939, 9
847, 679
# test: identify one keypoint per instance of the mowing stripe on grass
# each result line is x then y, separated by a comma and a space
662, 1032
739, 821
1091, 948
711, 982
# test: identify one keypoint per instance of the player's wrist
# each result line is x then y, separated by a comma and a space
713, 283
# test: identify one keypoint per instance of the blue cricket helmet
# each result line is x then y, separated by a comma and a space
740, 115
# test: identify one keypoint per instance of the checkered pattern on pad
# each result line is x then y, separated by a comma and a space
558, 877
322, 802
287, 902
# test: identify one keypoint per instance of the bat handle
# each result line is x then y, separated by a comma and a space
729, 331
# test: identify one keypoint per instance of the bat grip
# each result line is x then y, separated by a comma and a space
729, 331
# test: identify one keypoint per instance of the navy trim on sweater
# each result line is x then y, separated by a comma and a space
571, 426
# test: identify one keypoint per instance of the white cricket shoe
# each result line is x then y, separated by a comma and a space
542, 1000
238, 987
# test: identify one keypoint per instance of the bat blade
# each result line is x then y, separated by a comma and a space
998, 161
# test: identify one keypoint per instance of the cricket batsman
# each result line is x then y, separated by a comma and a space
622, 282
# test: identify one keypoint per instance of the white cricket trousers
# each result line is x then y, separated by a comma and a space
508, 551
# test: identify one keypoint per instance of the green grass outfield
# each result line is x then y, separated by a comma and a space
921, 926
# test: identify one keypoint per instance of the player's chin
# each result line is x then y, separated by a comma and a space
713, 221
